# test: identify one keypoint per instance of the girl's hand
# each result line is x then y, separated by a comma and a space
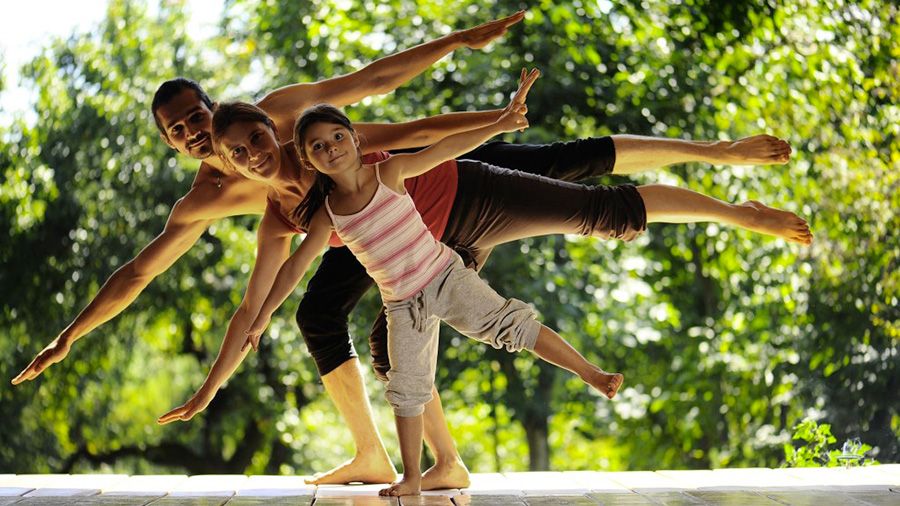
513, 117
255, 331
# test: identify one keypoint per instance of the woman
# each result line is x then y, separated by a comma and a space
511, 205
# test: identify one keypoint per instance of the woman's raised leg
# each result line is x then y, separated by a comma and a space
671, 204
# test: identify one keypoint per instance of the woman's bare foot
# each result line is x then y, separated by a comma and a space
768, 220
604, 382
754, 150
443, 475
406, 486
365, 468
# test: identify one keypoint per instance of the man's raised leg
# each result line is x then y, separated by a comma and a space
636, 153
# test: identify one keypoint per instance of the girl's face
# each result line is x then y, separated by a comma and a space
252, 148
330, 147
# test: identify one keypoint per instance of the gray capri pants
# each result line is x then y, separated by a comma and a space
468, 304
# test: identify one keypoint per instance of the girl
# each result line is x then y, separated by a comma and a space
421, 280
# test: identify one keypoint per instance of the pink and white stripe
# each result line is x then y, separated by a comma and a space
392, 242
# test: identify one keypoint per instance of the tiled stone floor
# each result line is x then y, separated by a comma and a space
873, 486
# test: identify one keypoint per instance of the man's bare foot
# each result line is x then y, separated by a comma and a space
604, 382
768, 220
374, 469
406, 486
445, 475
755, 150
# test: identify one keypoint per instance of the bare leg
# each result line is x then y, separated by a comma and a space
448, 471
552, 348
371, 464
671, 204
409, 431
635, 153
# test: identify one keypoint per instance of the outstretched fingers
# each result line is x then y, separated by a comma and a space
526, 80
53, 353
482, 35
183, 412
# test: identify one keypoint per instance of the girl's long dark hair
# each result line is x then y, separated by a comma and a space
315, 197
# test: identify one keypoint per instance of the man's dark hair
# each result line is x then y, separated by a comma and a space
167, 91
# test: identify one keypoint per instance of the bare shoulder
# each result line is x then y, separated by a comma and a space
215, 194
321, 220
391, 172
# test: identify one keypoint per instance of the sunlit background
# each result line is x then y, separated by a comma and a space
728, 340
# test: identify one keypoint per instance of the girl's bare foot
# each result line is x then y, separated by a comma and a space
443, 475
768, 220
406, 486
756, 150
361, 468
604, 382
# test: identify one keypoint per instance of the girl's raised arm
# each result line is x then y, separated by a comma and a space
291, 273
404, 166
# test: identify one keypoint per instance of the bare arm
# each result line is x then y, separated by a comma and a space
379, 77
421, 132
292, 272
273, 247
403, 166
190, 216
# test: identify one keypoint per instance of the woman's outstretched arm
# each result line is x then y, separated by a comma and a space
413, 164
291, 273
273, 248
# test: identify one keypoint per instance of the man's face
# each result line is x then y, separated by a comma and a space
187, 122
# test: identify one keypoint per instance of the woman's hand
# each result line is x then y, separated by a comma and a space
186, 411
255, 331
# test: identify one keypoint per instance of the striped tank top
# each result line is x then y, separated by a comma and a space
392, 242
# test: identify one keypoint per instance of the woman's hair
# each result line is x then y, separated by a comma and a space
315, 197
229, 113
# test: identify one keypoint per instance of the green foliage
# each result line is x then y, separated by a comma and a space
813, 451
727, 339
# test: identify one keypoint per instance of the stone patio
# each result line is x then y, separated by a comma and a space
874, 485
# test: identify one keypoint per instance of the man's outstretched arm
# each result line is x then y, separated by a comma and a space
273, 248
379, 77
191, 215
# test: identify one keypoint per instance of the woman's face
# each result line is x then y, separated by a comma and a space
252, 148
330, 147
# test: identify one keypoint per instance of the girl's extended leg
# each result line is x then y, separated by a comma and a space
551, 347
671, 204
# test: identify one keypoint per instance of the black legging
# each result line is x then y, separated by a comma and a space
492, 206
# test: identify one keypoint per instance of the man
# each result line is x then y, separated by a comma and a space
182, 112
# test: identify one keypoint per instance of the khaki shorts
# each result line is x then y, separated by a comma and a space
468, 304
